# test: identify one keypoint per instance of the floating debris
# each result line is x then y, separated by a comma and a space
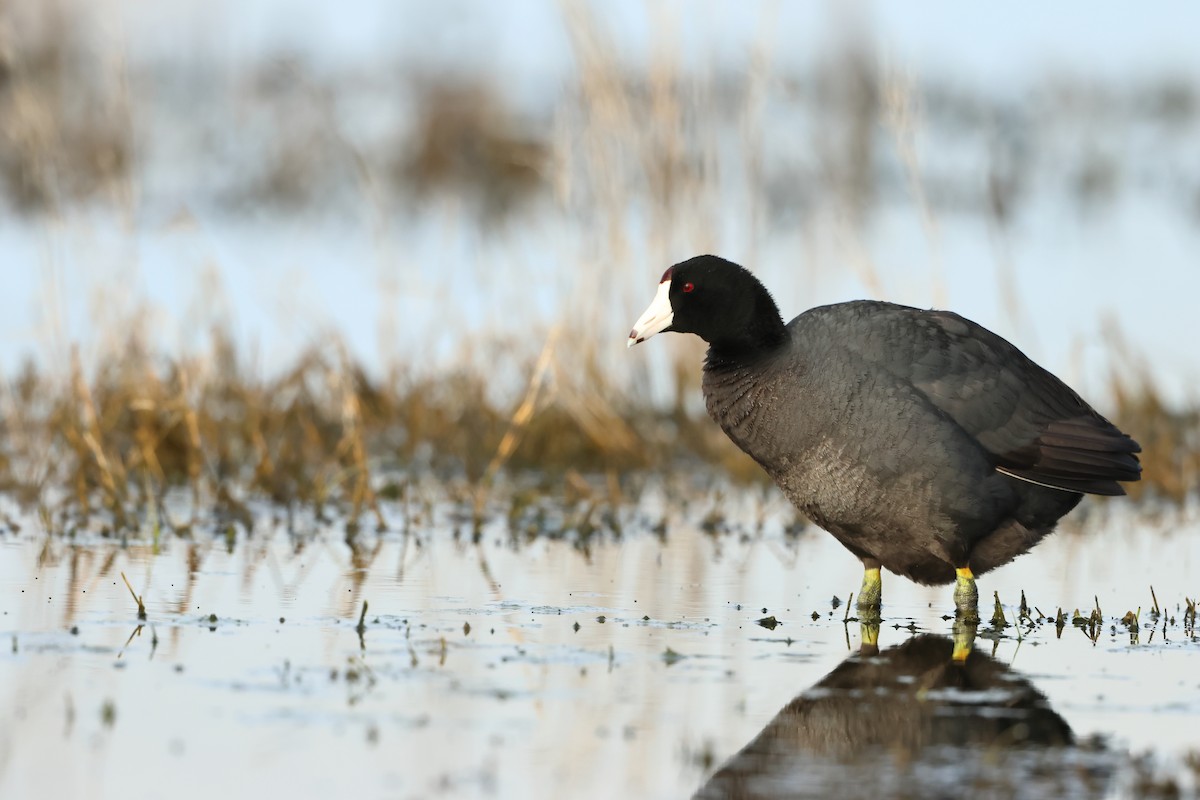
141, 607
998, 619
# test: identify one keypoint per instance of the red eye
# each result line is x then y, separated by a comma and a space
688, 287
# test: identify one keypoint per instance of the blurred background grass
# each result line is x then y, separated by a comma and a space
305, 266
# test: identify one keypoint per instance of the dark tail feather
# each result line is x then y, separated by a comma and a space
1083, 454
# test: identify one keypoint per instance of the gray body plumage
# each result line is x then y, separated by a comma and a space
919, 439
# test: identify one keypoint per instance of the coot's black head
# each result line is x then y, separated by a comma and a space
718, 301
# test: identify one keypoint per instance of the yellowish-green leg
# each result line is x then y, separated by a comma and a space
966, 596
870, 595
869, 635
964, 639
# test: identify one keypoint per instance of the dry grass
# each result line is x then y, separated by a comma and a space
102, 451
1170, 437
80, 124
66, 128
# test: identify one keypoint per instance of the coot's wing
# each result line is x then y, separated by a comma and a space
1034, 425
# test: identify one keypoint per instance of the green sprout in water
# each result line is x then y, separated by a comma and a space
108, 713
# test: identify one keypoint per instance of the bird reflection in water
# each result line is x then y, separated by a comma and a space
928, 718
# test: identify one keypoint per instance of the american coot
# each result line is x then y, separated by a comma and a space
924, 442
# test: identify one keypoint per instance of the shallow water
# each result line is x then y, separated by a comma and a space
630, 667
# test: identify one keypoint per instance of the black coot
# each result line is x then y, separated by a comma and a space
925, 443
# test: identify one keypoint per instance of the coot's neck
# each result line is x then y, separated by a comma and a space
761, 336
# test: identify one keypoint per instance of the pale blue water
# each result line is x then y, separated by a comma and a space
472, 678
